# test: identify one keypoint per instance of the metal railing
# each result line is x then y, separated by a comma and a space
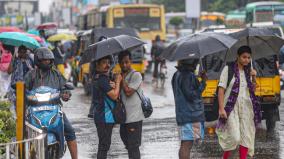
33, 147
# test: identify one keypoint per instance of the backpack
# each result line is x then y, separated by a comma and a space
214, 114
116, 107
159, 47
5, 61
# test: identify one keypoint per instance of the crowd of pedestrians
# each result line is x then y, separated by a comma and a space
238, 106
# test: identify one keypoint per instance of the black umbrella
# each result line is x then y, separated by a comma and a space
198, 45
262, 41
110, 46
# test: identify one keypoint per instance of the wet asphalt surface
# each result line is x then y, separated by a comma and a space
160, 136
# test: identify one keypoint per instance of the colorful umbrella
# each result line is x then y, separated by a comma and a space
18, 39
33, 31
10, 29
62, 36
46, 26
37, 38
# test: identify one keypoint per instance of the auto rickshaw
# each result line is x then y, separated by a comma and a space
79, 46
82, 73
268, 87
92, 36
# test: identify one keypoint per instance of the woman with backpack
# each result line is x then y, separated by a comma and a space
239, 110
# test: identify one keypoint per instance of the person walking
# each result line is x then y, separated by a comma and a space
105, 93
131, 130
189, 106
59, 56
156, 50
239, 110
6, 58
46, 75
20, 65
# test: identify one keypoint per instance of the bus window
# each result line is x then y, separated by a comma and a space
137, 18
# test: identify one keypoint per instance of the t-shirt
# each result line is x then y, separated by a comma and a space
132, 103
102, 111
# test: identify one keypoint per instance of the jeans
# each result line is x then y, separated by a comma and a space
131, 134
104, 131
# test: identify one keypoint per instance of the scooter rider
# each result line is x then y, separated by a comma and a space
46, 75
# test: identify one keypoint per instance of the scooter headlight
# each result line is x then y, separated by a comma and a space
43, 97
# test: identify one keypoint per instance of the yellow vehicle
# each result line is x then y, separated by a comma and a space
81, 73
211, 19
147, 19
268, 86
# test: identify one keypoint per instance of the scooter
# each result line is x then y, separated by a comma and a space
44, 111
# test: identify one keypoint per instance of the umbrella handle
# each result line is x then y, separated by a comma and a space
201, 65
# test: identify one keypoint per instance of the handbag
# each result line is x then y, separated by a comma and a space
118, 111
146, 105
145, 102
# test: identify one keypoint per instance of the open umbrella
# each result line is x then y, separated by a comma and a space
33, 31
110, 46
37, 38
198, 45
18, 39
62, 36
262, 41
47, 26
10, 29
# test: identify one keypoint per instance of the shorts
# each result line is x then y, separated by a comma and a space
192, 131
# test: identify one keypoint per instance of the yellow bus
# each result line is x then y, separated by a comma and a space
147, 19
212, 18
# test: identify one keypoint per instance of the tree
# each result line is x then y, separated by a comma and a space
170, 5
223, 6
176, 21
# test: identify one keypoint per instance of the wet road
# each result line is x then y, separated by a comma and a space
160, 135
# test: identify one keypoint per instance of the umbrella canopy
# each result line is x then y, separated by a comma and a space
18, 39
262, 41
33, 31
198, 46
62, 36
47, 26
37, 38
110, 46
10, 29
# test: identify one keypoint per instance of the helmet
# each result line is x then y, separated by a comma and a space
43, 54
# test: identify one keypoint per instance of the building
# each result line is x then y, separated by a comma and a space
14, 12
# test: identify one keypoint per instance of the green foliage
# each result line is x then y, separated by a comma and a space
223, 6
7, 124
176, 21
5, 105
